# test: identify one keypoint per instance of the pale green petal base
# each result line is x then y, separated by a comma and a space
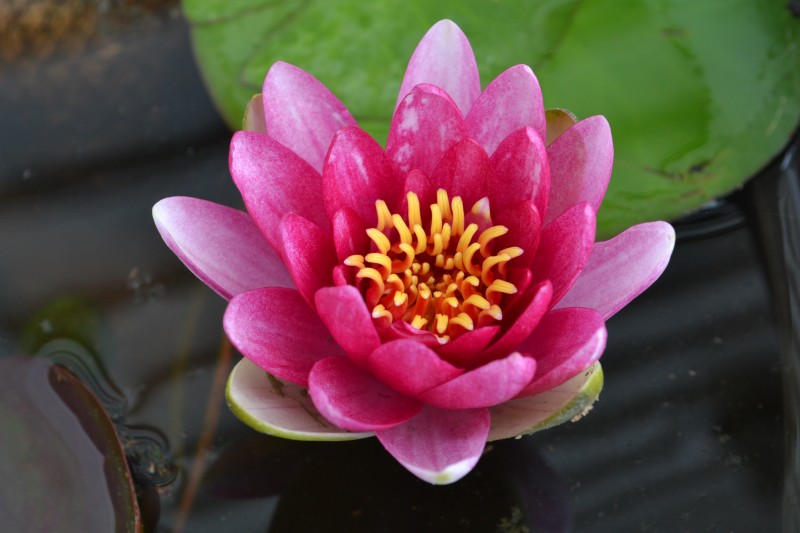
568, 401
276, 407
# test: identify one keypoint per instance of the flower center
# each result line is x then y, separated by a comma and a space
443, 280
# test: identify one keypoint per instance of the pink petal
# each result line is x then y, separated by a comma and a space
309, 255
512, 101
409, 367
564, 248
464, 171
439, 446
524, 228
221, 246
421, 185
490, 384
354, 400
444, 58
424, 127
343, 310
522, 170
580, 165
302, 113
273, 182
356, 173
254, 115
622, 268
566, 342
349, 234
463, 351
404, 330
531, 307
277, 407
278, 331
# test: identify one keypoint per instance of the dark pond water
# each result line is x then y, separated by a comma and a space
690, 433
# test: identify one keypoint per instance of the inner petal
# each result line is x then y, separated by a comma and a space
446, 277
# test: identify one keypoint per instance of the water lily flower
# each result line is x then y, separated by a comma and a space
441, 292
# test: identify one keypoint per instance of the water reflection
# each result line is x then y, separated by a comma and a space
355, 486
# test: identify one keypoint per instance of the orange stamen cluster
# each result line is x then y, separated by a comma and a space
446, 280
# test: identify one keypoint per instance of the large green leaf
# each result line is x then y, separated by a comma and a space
700, 95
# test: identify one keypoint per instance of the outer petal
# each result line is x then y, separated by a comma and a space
356, 173
488, 385
464, 171
439, 446
309, 255
556, 406
444, 58
221, 246
511, 101
302, 113
343, 310
580, 165
558, 121
254, 115
424, 127
523, 173
410, 367
278, 331
622, 268
354, 400
564, 248
278, 408
274, 181
566, 342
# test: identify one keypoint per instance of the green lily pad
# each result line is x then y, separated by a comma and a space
277, 407
63, 467
699, 95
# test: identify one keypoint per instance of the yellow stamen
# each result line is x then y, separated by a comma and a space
435, 280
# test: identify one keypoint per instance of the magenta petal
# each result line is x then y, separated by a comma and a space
580, 165
354, 400
403, 330
622, 268
274, 181
522, 170
409, 367
513, 100
349, 234
524, 228
439, 446
221, 246
343, 310
302, 113
566, 342
356, 173
533, 304
464, 350
564, 248
485, 386
424, 127
278, 331
444, 58
309, 255
464, 171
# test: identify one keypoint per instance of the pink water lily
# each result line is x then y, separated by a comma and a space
437, 293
